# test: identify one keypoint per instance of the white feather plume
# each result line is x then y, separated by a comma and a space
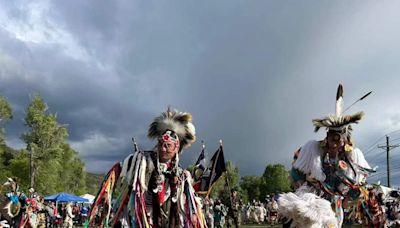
339, 107
307, 210
339, 101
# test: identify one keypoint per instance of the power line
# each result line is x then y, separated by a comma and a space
372, 146
377, 161
396, 139
373, 152
375, 156
388, 147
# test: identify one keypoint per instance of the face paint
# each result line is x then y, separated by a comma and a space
335, 144
168, 145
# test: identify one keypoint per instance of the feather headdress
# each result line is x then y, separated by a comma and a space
179, 122
338, 122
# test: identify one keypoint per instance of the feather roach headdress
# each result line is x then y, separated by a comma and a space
338, 122
179, 122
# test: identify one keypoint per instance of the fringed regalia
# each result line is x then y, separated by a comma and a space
324, 177
152, 193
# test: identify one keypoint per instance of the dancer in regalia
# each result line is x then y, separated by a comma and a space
13, 208
155, 190
326, 172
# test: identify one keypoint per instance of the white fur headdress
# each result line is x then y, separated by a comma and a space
179, 122
338, 122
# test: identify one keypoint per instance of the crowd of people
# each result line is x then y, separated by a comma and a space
66, 214
260, 212
21, 210
220, 215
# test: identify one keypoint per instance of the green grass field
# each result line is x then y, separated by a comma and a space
265, 225
261, 226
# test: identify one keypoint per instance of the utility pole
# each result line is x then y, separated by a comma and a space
388, 147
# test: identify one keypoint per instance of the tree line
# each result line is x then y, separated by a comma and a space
274, 180
47, 163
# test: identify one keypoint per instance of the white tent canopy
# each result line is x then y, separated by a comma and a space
88, 197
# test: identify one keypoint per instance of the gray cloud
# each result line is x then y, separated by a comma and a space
253, 73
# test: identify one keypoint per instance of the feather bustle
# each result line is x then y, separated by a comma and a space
335, 122
179, 122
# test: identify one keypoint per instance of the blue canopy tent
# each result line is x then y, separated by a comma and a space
65, 197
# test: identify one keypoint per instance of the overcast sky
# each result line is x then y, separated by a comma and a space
252, 73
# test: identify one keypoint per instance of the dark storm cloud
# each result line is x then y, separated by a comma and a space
253, 73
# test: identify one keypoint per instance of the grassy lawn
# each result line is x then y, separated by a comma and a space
265, 225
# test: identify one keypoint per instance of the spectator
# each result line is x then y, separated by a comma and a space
84, 213
68, 222
219, 214
53, 215
209, 212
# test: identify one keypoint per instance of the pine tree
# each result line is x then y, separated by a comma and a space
44, 141
5, 155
